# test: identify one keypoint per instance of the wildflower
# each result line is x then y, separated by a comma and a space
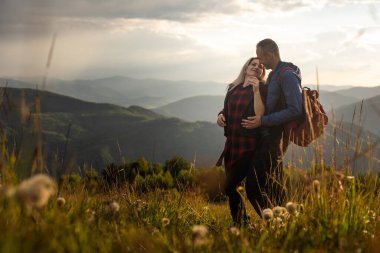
278, 222
316, 186
155, 231
113, 207
340, 186
371, 214
140, 205
36, 191
267, 214
165, 221
91, 216
291, 208
301, 208
199, 235
278, 210
240, 189
339, 175
235, 231
61, 201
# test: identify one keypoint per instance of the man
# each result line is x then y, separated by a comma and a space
283, 104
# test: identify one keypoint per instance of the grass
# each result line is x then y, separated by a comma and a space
341, 217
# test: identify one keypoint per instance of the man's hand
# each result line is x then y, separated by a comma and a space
221, 120
251, 122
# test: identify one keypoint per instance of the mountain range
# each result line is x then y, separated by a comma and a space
76, 133
97, 134
124, 91
206, 108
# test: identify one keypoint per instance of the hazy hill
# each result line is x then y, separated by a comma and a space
98, 134
332, 100
361, 92
329, 87
148, 93
366, 114
199, 108
206, 108
125, 91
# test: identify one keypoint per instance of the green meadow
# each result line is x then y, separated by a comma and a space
331, 212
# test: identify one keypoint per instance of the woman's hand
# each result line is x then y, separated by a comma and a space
221, 120
254, 82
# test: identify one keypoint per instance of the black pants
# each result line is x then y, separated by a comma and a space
262, 171
234, 176
265, 187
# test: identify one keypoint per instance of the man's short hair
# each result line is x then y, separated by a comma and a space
269, 46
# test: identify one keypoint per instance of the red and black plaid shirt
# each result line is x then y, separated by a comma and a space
237, 145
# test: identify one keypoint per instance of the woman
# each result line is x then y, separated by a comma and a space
243, 100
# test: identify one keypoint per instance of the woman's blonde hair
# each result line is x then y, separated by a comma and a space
241, 77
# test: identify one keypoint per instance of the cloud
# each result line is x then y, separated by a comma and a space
373, 12
151, 9
36, 17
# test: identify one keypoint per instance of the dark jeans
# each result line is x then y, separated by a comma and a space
234, 176
263, 173
266, 188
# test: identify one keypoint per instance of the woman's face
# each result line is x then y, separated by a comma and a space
254, 68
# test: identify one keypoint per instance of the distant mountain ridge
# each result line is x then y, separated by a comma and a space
98, 134
365, 113
198, 108
125, 91
206, 108
361, 92
77, 133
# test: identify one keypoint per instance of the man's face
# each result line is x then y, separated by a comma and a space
264, 58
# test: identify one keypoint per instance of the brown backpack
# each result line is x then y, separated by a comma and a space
313, 121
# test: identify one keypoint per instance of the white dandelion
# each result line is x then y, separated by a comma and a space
267, 214
36, 191
61, 201
113, 207
165, 221
235, 231
316, 186
278, 211
199, 234
291, 208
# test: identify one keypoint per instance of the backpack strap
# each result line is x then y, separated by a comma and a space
280, 76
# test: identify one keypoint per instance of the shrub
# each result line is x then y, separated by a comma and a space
176, 164
115, 175
71, 182
141, 166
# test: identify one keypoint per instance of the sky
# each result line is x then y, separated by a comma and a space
195, 40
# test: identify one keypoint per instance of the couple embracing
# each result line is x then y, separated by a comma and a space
253, 118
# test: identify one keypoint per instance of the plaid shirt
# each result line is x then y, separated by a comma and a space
238, 145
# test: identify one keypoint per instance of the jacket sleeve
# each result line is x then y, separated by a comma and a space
293, 98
